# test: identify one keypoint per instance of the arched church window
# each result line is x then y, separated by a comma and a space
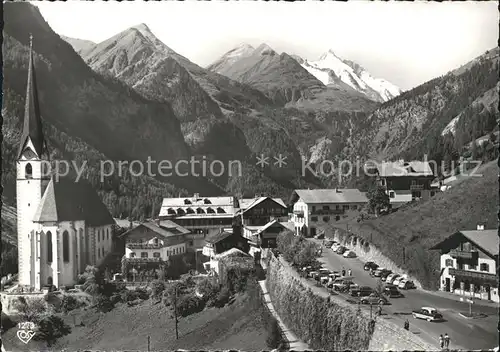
28, 171
65, 246
49, 247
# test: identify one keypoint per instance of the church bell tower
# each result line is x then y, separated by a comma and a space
32, 162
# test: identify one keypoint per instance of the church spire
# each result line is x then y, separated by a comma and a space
32, 128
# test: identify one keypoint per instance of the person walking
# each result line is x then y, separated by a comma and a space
446, 341
343, 271
441, 341
407, 325
349, 272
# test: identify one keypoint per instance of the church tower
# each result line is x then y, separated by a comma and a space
32, 161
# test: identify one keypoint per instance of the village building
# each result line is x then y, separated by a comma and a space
62, 225
313, 209
469, 261
219, 242
199, 215
404, 181
150, 245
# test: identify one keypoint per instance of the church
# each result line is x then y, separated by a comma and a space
62, 225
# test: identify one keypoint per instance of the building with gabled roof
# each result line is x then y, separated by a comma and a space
62, 225
314, 208
469, 262
405, 181
200, 215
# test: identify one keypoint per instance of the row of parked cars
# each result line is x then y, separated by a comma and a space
339, 249
390, 278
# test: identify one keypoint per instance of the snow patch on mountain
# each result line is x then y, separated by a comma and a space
330, 69
229, 58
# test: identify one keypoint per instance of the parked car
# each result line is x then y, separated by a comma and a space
349, 254
341, 284
406, 284
341, 250
320, 236
370, 266
312, 274
390, 279
385, 274
374, 298
328, 243
392, 291
398, 280
335, 246
427, 313
380, 272
361, 291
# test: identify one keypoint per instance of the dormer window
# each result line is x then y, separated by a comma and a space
200, 211
207, 201
187, 201
220, 210
28, 171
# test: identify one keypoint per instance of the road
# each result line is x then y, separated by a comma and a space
464, 333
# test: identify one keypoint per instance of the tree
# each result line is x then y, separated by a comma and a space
377, 199
51, 328
157, 289
273, 339
474, 150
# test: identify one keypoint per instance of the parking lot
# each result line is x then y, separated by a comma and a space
464, 333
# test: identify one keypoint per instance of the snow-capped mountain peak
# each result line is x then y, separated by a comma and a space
264, 49
330, 69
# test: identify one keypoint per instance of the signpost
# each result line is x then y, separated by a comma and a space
470, 301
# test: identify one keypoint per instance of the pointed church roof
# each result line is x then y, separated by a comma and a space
32, 128
67, 200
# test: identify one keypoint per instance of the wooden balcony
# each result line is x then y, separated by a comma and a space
131, 245
327, 212
467, 255
143, 260
473, 275
416, 187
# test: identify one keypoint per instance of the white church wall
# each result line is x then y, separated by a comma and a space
68, 265
48, 269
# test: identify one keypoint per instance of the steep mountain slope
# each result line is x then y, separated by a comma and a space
286, 82
87, 117
222, 65
411, 124
79, 44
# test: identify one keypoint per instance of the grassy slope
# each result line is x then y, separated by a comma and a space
9, 224
237, 326
418, 227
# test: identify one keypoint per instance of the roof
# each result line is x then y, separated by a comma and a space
401, 168
66, 200
125, 223
217, 237
331, 195
32, 128
248, 203
198, 202
487, 240
165, 232
272, 223
173, 227
233, 252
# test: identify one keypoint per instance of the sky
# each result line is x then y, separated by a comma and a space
406, 43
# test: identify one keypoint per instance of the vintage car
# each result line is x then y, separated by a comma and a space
406, 284
341, 250
361, 291
427, 313
374, 298
370, 266
392, 291
390, 279
349, 254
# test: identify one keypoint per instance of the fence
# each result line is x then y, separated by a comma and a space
284, 339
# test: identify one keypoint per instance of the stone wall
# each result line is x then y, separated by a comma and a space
8, 301
368, 252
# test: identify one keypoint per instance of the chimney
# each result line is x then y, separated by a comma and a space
196, 195
480, 227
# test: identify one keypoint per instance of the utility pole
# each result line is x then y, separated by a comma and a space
175, 314
371, 310
404, 256
149, 343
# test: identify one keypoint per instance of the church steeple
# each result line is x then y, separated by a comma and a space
32, 128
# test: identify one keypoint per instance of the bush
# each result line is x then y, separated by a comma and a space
142, 293
69, 303
296, 250
210, 289
157, 289
189, 304
103, 303
31, 310
222, 298
273, 339
51, 328
7, 322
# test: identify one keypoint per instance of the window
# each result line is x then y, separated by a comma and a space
191, 243
354, 207
413, 182
484, 267
448, 262
472, 267
326, 218
326, 207
132, 255
337, 207
391, 194
156, 255
28, 171
314, 218
107, 234
382, 182
144, 254
313, 208
98, 236
346, 207
49, 247
433, 193
65, 246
